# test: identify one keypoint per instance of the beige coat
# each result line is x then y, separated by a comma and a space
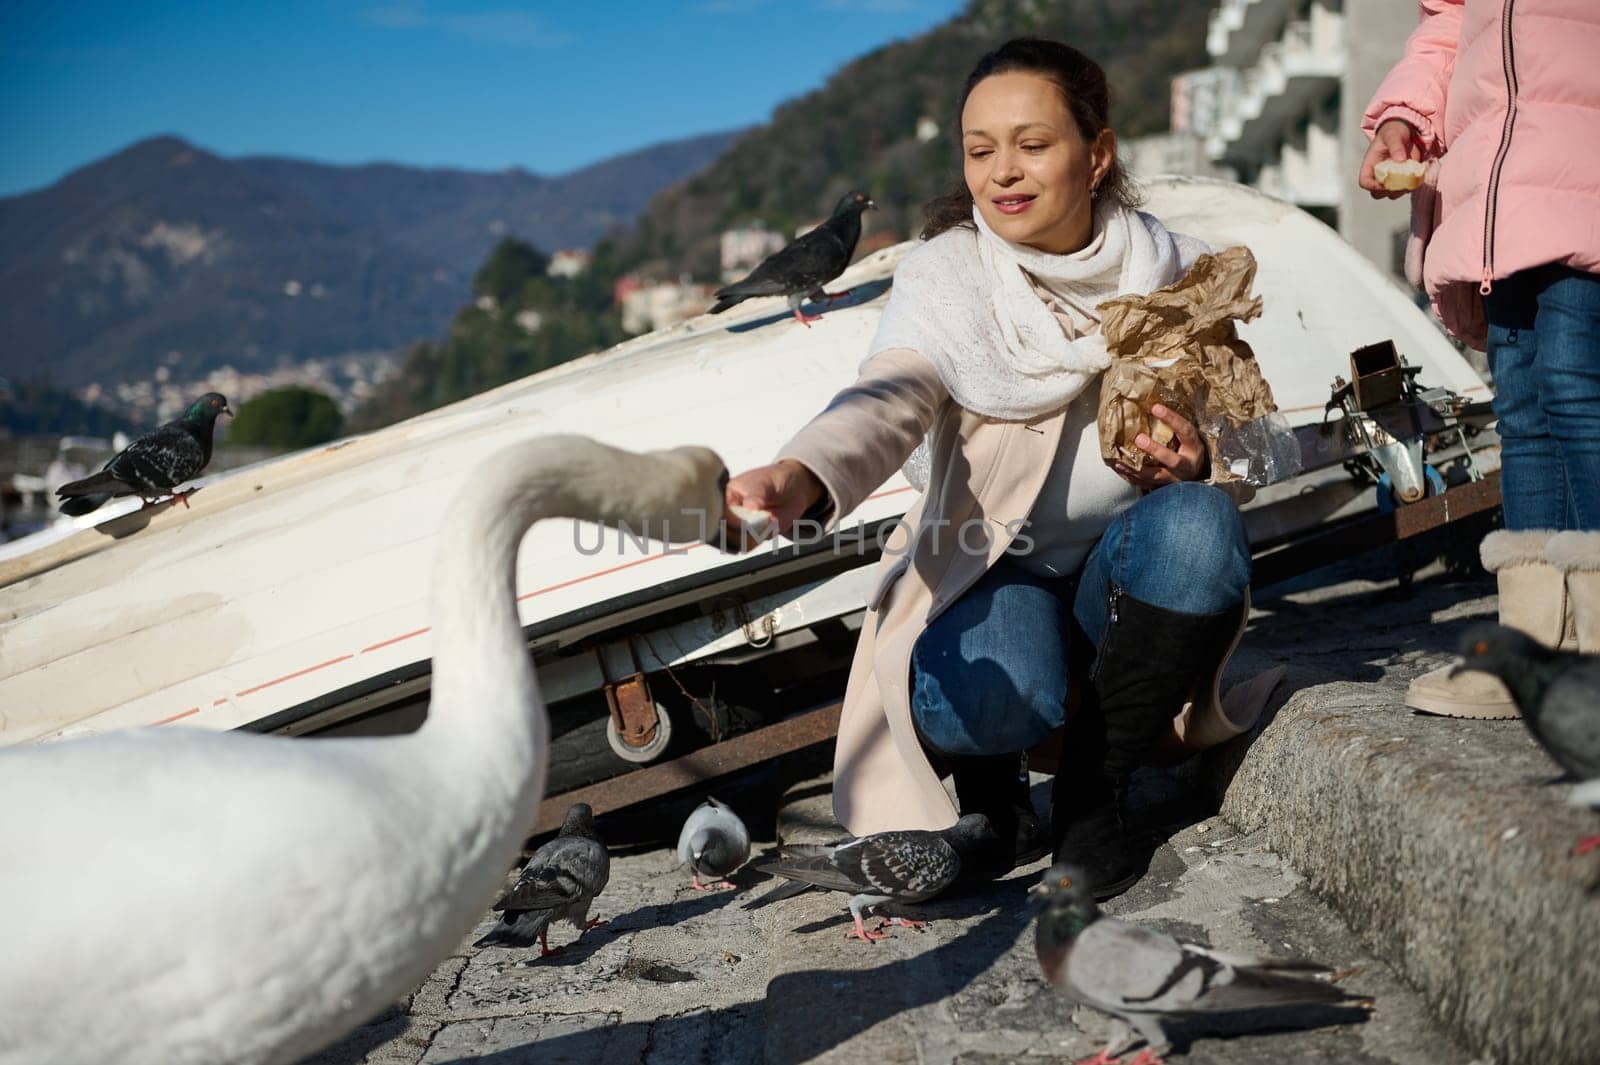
984, 478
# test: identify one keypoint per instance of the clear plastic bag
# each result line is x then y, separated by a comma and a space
1259, 452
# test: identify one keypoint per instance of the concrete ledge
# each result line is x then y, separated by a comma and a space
1441, 842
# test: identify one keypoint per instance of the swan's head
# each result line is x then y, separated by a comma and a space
692, 492
674, 495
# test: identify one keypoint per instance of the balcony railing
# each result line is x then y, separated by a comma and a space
1288, 76
1238, 28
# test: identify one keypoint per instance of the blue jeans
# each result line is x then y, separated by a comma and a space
1544, 352
990, 674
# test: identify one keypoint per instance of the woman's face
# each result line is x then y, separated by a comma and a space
1029, 169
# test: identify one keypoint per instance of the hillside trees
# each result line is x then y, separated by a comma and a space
286, 418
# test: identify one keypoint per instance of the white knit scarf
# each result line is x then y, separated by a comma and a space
963, 300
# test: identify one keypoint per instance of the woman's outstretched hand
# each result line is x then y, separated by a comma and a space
1394, 140
1167, 465
785, 489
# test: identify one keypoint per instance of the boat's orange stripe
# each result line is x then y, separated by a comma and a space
396, 639
592, 576
176, 717
297, 673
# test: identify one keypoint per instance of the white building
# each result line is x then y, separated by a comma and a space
744, 248
1281, 106
568, 262
656, 306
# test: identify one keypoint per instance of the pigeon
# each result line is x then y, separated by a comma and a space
800, 268
559, 883
905, 866
1142, 977
714, 842
1558, 692
1587, 794
154, 464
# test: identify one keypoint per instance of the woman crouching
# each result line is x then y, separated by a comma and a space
1029, 567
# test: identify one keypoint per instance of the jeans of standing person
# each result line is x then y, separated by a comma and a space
1544, 352
990, 674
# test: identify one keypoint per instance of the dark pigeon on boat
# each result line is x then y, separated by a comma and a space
153, 465
802, 267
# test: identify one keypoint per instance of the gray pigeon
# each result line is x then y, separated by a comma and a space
1558, 692
803, 266
154, 464
559, 883
714, 842
1587, 794
1141, 976
907, 866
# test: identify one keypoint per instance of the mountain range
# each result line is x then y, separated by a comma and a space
165, 254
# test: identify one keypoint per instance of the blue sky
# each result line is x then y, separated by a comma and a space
547, 85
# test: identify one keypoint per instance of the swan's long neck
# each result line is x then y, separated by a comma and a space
485, 704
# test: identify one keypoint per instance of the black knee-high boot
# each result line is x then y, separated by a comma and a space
994, 785
1148, 663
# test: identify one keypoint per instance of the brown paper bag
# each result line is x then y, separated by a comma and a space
1179, 346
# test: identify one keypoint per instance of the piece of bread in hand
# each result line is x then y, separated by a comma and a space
1400, 176
1161, 432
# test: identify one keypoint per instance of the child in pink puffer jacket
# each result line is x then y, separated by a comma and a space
1505, 95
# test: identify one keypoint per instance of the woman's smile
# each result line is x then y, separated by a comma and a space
1013, 204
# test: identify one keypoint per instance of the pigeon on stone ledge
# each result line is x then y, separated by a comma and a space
714, 842
908, 866
154, 464
1558, 692
559, 883
1142, 977
800, 268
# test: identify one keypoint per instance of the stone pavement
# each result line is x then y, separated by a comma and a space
1393, 847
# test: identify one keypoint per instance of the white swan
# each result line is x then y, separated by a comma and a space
178, 896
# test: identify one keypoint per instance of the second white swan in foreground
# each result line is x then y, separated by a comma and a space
176, 896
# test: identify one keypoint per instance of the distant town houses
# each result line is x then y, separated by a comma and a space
656, 305
348, 379
744, 247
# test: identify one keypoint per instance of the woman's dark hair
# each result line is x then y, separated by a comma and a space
1083, 86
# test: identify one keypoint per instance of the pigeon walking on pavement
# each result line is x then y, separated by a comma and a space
1586, 794
559, 883
800, 269
1558, 692
908, 866
154, 464
1142, 977
714, 842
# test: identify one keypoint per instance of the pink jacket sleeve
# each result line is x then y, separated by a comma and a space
1415, 89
